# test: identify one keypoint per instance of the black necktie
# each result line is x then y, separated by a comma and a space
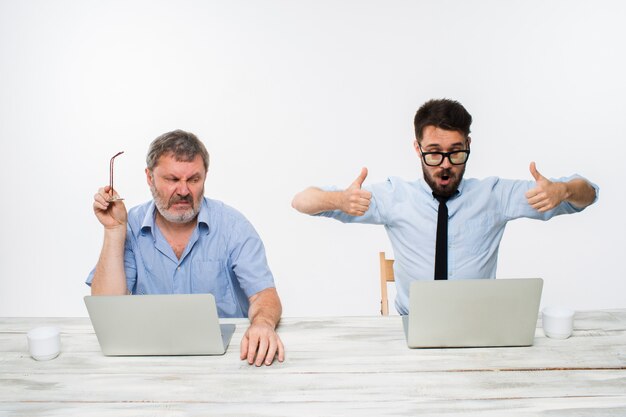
441, 247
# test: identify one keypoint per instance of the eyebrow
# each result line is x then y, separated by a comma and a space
176, 177
438, 146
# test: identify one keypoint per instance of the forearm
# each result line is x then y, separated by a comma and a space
579, 192
109, 277
265, 307
314, 200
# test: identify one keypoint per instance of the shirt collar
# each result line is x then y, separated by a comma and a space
204, 216
459, 190
149, 220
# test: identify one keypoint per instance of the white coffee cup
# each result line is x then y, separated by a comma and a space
558, 322
44, 343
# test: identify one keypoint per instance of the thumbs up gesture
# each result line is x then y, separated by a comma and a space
354, 200
547, 194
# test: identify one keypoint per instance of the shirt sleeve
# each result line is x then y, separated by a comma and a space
248, 260
513, 197
130, 263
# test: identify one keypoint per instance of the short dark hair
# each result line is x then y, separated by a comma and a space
184, 145
443, 113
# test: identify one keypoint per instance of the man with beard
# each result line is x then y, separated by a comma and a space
414, 213
182, 242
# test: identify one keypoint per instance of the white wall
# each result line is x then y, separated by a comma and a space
287, 94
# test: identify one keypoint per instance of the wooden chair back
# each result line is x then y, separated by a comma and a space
386, 276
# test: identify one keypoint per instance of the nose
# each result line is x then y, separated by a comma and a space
446, 163
182, 188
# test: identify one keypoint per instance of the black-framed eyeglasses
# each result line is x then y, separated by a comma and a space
434, 159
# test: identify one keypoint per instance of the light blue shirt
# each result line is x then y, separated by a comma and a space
224, 257
477, 215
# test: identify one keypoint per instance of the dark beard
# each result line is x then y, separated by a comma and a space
448, 190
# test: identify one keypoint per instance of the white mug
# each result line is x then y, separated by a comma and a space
44, 343
557, 322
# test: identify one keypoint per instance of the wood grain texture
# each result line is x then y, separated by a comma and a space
334, 367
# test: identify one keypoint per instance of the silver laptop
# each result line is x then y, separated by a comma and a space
173, 324
473, 313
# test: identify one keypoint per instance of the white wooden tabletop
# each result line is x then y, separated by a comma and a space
339, 366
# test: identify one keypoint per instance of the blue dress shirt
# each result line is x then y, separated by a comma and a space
224, 257
477, 216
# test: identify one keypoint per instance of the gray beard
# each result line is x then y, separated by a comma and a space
162, 207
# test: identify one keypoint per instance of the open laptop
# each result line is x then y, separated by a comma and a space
173, 324
473, 313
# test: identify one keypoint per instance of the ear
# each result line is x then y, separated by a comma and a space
149, 177
417, 148
469, 140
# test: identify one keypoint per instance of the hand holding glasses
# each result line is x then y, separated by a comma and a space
113, 197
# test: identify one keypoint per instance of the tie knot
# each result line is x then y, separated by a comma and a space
441, 198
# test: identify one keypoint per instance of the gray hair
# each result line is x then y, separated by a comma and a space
183, 145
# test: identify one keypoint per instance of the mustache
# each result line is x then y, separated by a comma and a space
178, 198
446, 172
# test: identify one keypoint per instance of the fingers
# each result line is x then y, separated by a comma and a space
543, 199
356, 202
281, 349
260, 353
359, 205
111, 214
249, 346
533, 171
275, 349
546, 195
532, 193
360, 179
542, 207
261, 346
539, 201
101, 199
243, 350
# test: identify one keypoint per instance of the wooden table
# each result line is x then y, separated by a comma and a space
334, 367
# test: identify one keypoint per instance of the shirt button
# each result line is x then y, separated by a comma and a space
178, 269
